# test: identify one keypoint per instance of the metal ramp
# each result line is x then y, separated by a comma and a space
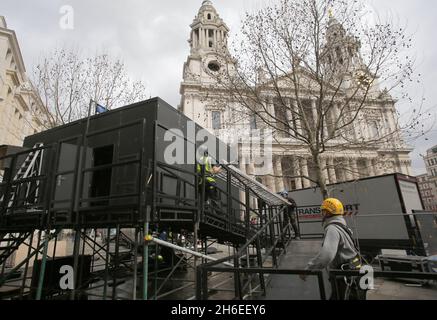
291, 287
242, 181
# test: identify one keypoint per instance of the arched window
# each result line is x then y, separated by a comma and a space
209, 16
339, 55
374, 130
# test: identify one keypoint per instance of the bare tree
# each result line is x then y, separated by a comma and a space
65, 83
313, 71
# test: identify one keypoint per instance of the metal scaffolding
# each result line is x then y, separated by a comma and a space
111, 260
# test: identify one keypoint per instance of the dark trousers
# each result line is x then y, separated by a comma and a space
291, 218
355, 293
210, 190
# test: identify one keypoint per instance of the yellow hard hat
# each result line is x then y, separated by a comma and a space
333, 206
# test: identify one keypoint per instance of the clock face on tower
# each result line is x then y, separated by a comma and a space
213, 66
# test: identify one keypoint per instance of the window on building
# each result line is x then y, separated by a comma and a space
281, 118
216, 120
339, 55
209, 16
253, 125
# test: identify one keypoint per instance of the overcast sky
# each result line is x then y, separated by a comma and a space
151, 37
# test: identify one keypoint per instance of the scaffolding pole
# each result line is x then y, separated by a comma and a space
194, 253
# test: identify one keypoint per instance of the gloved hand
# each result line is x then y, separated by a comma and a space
303, 277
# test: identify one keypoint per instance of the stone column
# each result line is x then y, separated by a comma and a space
354, 165
348, 169
391, 123
336, 112
331, 170
314, 110
341, 176
251, 170
290, 121
378, 167
271, 109
296, 112
205, 38
407, 167
370, 168
271, 184
396, 126
269, 179
304, 170
200, 37
325, 123
297, 172
278, 173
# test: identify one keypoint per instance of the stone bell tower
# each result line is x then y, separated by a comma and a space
208, 55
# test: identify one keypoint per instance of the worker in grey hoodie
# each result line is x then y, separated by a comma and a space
338, 251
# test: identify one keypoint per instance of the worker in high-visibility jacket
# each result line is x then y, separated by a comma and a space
210, 171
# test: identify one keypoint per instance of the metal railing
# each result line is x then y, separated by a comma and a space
266, 232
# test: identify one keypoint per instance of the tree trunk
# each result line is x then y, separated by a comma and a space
320, 176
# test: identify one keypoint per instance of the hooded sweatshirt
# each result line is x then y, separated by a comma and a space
337, 248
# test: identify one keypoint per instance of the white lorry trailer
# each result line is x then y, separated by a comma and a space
385, 212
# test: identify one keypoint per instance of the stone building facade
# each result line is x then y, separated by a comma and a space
428, 193
291, 160
428, 181
21, 113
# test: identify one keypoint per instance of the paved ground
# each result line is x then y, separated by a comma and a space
398, 290
283, 287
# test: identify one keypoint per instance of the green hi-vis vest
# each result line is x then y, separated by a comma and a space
209, 174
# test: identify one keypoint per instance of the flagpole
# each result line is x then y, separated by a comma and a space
88, 119
76, 201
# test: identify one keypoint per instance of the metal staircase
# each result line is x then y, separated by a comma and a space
9, 243
21, 187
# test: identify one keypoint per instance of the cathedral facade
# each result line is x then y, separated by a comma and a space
291, 166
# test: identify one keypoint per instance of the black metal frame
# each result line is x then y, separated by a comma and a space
190, 213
